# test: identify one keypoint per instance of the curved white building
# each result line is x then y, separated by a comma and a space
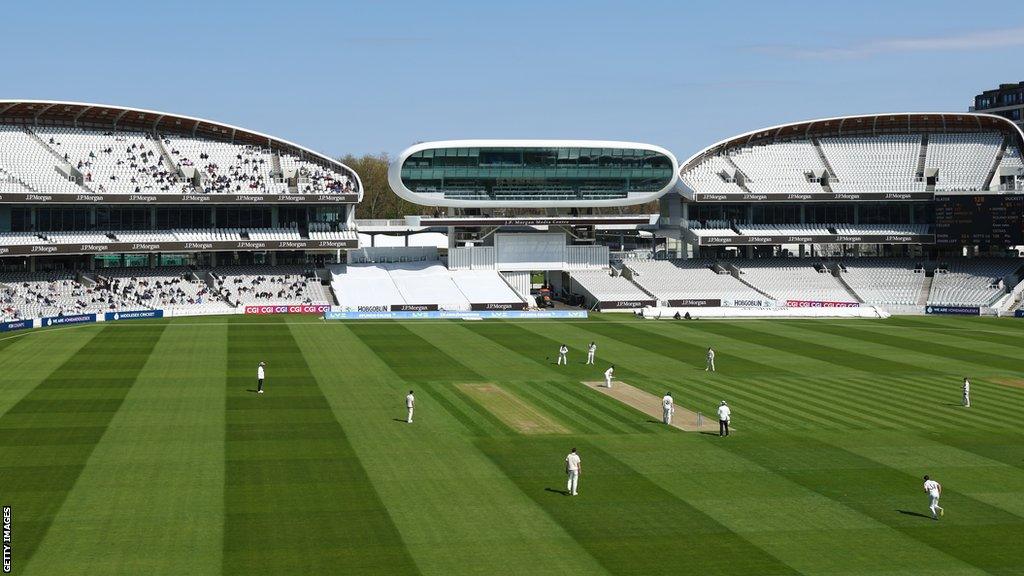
532, 173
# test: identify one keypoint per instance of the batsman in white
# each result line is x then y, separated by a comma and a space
572, 470
608, 376
668, 407
967, 393
562, 351
710, 361
591, 350
934, 490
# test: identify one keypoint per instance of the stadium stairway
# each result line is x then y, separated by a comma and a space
735, 272
995, 165
836, 272
926, 289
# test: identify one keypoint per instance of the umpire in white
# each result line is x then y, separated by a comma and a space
724, 415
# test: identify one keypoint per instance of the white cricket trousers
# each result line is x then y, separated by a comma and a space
608, 381
590, 357
710, 365
666, 415
572, 482
933, 505
967, 400
562, 360
408, 418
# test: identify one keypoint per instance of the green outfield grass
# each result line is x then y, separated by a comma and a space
140, 448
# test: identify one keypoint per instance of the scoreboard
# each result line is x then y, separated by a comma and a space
982, 220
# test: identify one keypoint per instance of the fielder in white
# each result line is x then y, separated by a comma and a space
410, 403
967, 393
572, 470
934, 490
668, 407
608, 376
591, 350
710, 363
260, 375
562, 351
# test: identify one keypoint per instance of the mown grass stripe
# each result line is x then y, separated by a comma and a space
662, 535
879, 399
612, 423
1001, 410
106, 365
456, 408
634, 420
811, 350
410, 356
563, 411
911, 343
826, 403
860, 398
680, 350
896, 392
484, 413
743, 399
287, 512
971, 531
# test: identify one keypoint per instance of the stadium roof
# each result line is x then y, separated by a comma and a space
104, 116
865, 125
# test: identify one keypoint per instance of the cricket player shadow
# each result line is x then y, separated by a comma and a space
402, 420
709, 433
253, 390
918, 514
557, 491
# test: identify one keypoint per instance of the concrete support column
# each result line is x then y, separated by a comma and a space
152, 217
802, 250
749, 251
152, 260
275, 218
31, 263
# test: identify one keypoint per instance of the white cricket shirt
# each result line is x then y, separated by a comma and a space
259, 372
409, 400
932, 487
666, 402
724, 412
572, 462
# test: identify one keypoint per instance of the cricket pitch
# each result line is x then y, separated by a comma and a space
650, 405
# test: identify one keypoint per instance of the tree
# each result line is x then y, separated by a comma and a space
379, 201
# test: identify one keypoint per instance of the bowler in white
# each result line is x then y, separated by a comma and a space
967, 393
591, 350
410, 403
562, 351
608, 376
572, 470
667, 408
934, 490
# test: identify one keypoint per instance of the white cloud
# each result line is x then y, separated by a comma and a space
984, 40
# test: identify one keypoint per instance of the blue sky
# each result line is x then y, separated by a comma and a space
370, 76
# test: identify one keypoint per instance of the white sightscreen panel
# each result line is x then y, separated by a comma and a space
530, 251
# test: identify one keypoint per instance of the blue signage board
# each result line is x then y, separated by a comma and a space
133, 315
73, 319
961, 310
15, 325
